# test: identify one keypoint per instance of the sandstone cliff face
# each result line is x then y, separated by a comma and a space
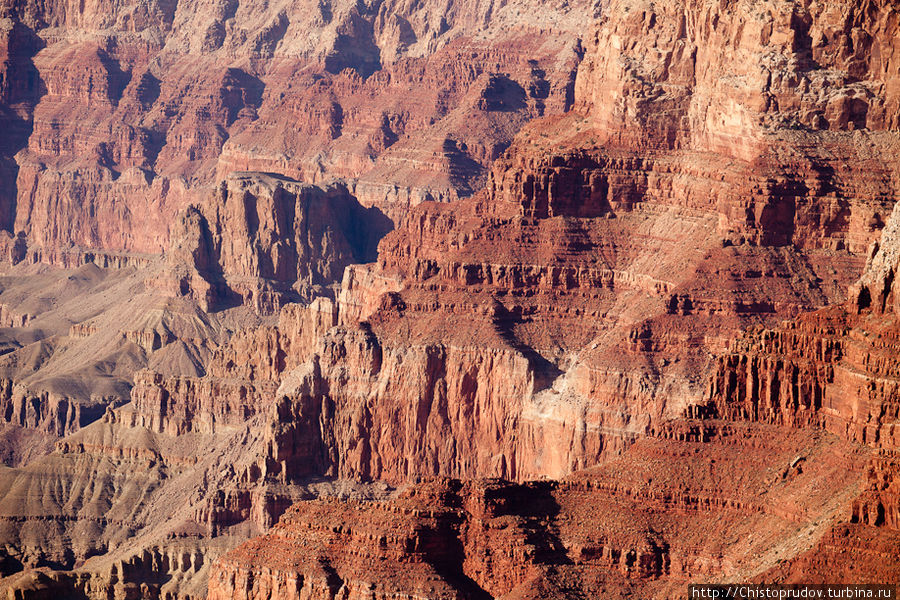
640, 525
834, 368
746, 199
123, 117
302, 557
434, 410
119, 126
759, 92
267, 240
586, 332
727, 166
727, 77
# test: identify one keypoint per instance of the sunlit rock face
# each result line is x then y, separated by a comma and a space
469, 301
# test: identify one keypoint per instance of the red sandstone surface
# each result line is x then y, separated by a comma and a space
476, 300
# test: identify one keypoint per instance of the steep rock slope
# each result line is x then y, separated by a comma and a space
834, 369
787, 472
119, 509
567, 317
725, 505
74, 338
597, 277
129, 112
721, 225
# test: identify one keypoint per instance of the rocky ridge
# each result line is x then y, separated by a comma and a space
727, 168
775, 211
157, 127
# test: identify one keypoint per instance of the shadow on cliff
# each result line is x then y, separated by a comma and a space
464, 170
370, 226
536, 504
355, 47
297, 239
240, 91
502, 94
534, 510
118, 78
545, 372
445, 551
21, 91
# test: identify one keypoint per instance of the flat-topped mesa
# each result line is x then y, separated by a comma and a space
272, 228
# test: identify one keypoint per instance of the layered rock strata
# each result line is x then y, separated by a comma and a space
748, 199
117, 508
674, 509
592, 272
726, 167
267, 240
125, 114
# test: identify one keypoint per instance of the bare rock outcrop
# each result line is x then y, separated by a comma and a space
833, 368
578, 298
581, 318
640, 524
263, 240
124, 114
680, 74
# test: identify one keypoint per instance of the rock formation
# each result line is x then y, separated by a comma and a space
603, 301
473, 301
668, 512
126, 126
589, 222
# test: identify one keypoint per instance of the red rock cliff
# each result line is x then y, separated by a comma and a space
726, 168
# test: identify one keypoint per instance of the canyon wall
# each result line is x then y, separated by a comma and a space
614, 271
617, 251
125, 113
163, 139
668, 512
622, 299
